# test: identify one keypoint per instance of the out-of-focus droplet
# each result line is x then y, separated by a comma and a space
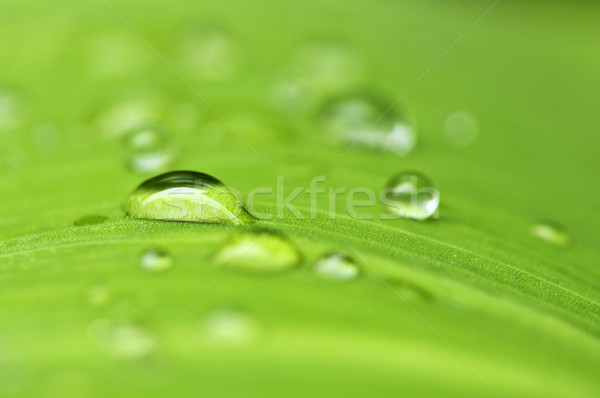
120, 340
460, 129
259, 252
90, 220
156, 260
412, 195
229, 326
551, 232
98, 294
210, 52
316, 70
186, 196
366, 122
148, 149
337, 267
124, 116
11, 109
46, 137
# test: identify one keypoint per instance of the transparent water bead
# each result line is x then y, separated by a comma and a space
337, 267
460, 129
148, 149
156, 260
362, 120
551, 232
412, 195
186, 196
261, 252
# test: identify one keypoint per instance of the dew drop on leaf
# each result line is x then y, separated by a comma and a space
337, 267
260, 252
551, 232
367, 122
186, 196
148, 149
156, 260
412, 195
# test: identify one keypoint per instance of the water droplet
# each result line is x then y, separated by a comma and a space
460, 129
315, 70
362, 120
230, 326
210, 52
186, 196
122, 341
98, 295
156, 260
46, 137
551, 232
149, 149
90, 220
128, 115
11, 109
337, 267
263, 252
412, 195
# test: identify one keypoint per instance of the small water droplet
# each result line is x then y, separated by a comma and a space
90, 220
119, 340
551, 232
149, 149
337, 267
362, 120
412, 195
460, 129
210, 52
156, 260
98, 295
261, 252
186, 196
125, 116
229, 326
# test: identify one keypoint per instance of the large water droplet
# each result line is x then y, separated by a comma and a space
149, 149
210, 52
264, 252
460, 129
551, 232
412, 195
186, 196
337, 267
363, 121
156, 260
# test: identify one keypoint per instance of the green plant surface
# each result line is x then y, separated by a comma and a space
471, 304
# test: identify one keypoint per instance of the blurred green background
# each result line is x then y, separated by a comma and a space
520, 314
